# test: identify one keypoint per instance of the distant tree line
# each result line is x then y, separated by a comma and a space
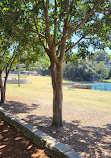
98, 67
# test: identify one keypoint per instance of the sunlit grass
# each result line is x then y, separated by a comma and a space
41, 88
88, 99
107, 80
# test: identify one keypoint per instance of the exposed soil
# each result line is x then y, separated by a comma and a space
14, 145
86, 131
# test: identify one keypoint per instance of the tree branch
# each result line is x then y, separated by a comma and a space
58, 50
65, 29
25, 3
46, 49
33, 31
49, 41
102, 11
55, 27
75, 44
7, 63
41, 41
96, 37
79, 25
3, 55
12, 62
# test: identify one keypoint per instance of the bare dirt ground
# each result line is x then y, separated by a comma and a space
14, 145
86, 131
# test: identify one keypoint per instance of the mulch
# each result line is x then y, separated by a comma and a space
14, 145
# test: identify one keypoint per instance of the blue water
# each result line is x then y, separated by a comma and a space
100, 86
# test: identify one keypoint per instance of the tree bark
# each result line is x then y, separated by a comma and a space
19, 75
56, 74
3, 89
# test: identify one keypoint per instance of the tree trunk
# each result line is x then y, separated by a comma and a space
19, 75
3, 89
56, 74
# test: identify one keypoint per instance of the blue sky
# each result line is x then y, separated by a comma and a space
108, 50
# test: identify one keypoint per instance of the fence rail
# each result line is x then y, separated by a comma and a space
101, 88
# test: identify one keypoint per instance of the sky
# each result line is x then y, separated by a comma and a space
108, 50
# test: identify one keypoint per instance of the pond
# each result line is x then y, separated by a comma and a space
101, 86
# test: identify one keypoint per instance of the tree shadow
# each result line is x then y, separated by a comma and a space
91, 142
13, 144
18, 107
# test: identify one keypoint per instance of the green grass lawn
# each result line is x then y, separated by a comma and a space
107, 80
40, 88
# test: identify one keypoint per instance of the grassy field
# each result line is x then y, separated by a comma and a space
40, 87
107, 80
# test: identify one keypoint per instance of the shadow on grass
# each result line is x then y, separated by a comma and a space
18, 107
90, 141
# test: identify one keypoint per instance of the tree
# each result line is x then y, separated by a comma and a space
82, 71
14, 48
102, 70
7, 60
101, 56
101, 62
109, 76
55, 24
12, 53
33, 60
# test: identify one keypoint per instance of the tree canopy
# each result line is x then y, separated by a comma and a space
54, 22
82, 71
101, 56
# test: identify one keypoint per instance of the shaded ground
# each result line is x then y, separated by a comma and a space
86, 131
14, 145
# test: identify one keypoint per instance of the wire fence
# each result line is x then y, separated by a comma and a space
106, 87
